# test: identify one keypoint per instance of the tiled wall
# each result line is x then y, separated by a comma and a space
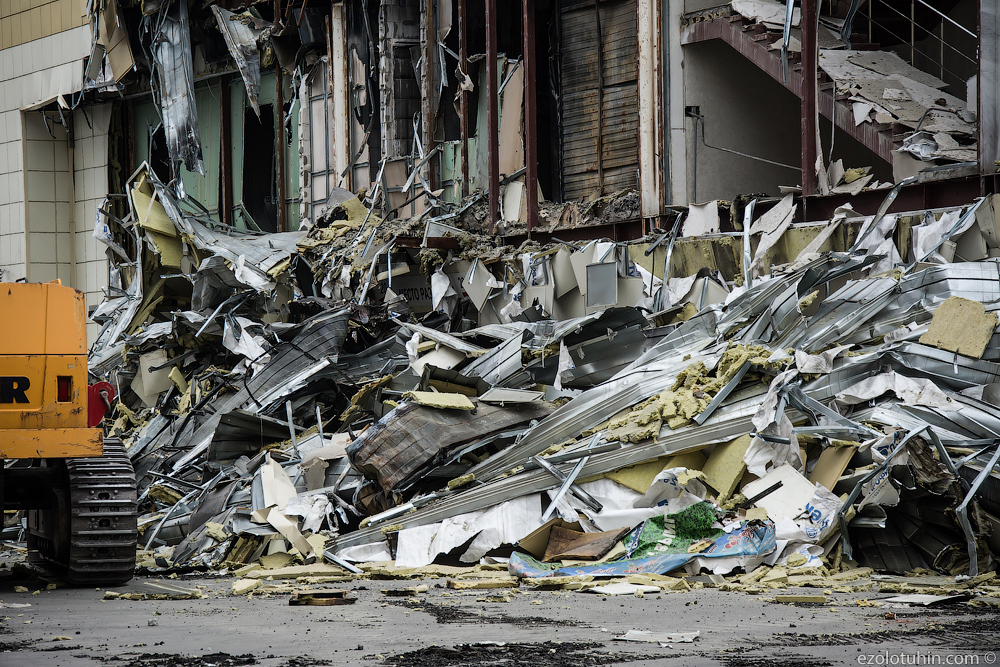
91, 162
36, 237
23, 21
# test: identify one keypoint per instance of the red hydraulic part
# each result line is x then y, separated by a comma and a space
100, 396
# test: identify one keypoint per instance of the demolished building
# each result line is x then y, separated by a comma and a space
383, 282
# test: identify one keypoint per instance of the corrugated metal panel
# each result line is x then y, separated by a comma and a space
599, 105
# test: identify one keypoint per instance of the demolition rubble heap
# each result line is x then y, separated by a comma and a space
386, 395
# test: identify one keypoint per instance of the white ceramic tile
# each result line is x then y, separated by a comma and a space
41, 185
42, 248
41, 217
94, 184
14, 157
63, 216
43, 273
64, 272
60, 158
61, 193
17, 60
94, 278
39, 155
6, 68
64, 247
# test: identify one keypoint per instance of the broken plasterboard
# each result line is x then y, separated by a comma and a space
563, 272
701, 219
580, 260
831, 465
788, 500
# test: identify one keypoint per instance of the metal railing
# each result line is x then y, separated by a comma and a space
927, 43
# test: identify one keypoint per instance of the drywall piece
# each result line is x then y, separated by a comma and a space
510, 133
623, 588
155, 382
771, 226
501, 395
480, 584
565, 543
433, 399
580, 260
478, 284
765, 11
659, 637
789, 500
569, 305
927, 600
514, 202
149, 400
725, 467
442, 357
703, 292
563, 272
831, 465
701, 219
887, 63
960, 325
801, 599
544, 293
630, 291
296, 571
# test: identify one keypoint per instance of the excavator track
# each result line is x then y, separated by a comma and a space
89, 536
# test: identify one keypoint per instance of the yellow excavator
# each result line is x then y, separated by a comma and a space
78, 486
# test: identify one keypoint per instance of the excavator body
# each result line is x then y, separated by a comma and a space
77, 486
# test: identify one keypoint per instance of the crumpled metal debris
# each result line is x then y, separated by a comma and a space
308, 395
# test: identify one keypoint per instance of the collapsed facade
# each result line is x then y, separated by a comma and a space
410, 280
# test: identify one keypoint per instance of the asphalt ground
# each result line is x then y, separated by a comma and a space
448, 628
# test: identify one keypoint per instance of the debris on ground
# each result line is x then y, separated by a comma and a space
370, 399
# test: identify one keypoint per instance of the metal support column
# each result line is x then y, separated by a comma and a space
808, 109
280, 148
427, 109
226, 151
463, 96
492, 113
530, 124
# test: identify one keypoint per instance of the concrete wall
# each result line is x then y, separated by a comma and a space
745, 110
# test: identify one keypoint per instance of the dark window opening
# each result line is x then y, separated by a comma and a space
259, 168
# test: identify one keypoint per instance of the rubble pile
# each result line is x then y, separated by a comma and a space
302, 404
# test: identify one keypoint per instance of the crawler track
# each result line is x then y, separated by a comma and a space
89, 537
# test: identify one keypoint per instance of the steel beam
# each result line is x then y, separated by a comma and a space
809, 110
530, 120
463, 96
492, 113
